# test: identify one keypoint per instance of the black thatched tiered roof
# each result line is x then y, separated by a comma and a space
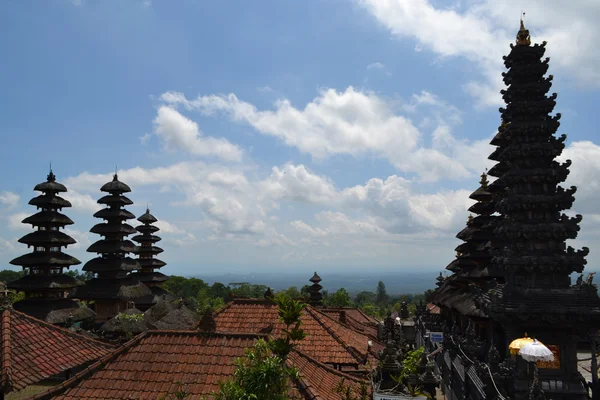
534, 257
112, 281
146, 252
316, 297
472, 265
526, 286
44, 283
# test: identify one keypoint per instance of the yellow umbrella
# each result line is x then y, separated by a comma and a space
517, 344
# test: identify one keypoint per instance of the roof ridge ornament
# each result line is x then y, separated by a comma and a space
523, 37
484, 181
51, 177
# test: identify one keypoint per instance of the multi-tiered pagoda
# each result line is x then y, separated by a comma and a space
531, 290
146, 251
44, 284
316, 297
112, 287
473, 257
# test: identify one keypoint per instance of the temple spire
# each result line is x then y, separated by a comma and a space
112, 288
44, 283
146, 252
523, 38
316, 298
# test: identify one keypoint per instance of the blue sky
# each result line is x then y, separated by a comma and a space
323, 134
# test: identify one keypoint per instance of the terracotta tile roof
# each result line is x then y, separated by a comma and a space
33, 350
317, 381
432, 308
328, 341
152, 365
355, 313
355, 319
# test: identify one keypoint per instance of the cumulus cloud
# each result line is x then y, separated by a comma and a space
83, 239
83, 203
481, 31
180, 133
15, 224
376, 65
7, 246
9, 199
585, 174
167, 227
349, 122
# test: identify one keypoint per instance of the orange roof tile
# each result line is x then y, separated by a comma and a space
155, 362
327, 340
33, 350
317, 381
355, 319
355, 313
432, 308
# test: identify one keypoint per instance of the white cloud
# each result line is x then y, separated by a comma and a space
265, 89
297, 183
376, 65
83, 239
180, 133
7, 246
481, 31
585, 174
225, 204
15, 224
167, 227
350, 122
83, 203
9, 199
145, 138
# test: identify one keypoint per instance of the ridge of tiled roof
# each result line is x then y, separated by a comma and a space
33, 350
344, 335
368, 327
318, 381
5, 356
347, 335
261, 316
92, 381
351, 312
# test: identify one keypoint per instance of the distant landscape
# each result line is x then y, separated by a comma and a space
403, 282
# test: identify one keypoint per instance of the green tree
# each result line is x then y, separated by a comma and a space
249, 291
184, 287
341, 298
262, 374
363, 298
382, 296
218, 290
305, 291
8, 275
292, 292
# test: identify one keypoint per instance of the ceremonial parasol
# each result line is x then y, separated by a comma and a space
517, 344
536, 351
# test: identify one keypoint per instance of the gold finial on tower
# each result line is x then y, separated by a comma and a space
470, 219
523, 38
